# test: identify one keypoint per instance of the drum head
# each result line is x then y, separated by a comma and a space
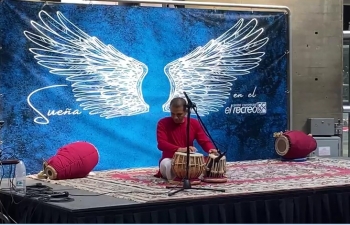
282, 145
214, 156
50, 172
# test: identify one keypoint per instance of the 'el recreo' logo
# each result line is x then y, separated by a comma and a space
255, 108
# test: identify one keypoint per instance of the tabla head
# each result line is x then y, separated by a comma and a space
215, 155
193, 154
282, 145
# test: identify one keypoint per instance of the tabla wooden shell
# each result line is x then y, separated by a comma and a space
217, 169
215, 172
282, 145
196, 165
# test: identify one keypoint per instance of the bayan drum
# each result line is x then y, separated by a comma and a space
295, 144
215, 169
195, 169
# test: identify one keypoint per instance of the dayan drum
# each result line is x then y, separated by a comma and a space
196, 165
294, 144
215, 169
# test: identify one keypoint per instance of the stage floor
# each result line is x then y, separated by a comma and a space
83, 200
244, 178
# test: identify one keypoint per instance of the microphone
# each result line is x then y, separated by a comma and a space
189, 102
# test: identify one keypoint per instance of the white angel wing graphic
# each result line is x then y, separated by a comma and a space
206, 74
105, 81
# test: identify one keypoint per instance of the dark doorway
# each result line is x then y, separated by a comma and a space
346, 17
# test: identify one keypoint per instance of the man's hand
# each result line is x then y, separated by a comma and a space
192, 149
213, 151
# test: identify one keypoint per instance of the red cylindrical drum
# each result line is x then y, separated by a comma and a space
75, 160
294, 144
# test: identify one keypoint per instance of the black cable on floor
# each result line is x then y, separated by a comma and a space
46, 194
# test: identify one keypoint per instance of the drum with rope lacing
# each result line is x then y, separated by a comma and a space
294, 144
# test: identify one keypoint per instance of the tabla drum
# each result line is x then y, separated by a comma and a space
196, 165
295, 144
215, 170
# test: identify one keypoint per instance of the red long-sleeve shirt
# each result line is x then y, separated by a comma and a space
171, 136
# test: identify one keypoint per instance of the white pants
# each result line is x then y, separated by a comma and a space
165, 169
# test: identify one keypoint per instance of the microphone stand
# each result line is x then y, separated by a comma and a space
186, 182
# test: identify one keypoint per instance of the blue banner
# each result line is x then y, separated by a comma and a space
106, 74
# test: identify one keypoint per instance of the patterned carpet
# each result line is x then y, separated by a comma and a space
245, 177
